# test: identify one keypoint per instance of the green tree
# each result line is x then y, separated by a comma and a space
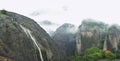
93, 54
110, 56
118, 52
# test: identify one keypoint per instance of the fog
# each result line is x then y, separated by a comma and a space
48, 26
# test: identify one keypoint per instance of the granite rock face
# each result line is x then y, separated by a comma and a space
97, 34
90, 34
113, 38
15, 45
64, 37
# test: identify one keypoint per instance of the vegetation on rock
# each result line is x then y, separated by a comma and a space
95, 54
3, 11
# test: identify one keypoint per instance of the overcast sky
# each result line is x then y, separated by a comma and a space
70, 11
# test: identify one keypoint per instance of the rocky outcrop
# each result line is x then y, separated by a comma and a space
113, 39
90, 34
16, 45
64, 37
97, 34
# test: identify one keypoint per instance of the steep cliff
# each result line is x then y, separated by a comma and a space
90, 34
113, 38
64, 37
17, 45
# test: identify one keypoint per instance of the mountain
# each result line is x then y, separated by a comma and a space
22, 39
90, 34
96, 34
64, 37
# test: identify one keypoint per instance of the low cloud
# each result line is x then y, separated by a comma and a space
49, 26
47, 22
50, 11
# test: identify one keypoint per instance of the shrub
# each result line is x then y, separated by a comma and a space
93, 54
75, 58
110, 56
118, 52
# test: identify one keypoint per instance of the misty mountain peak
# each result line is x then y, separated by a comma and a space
91, 24
67, 28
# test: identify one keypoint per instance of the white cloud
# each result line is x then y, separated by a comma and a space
48, 26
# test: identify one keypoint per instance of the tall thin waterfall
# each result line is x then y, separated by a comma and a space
105, 45
28, 33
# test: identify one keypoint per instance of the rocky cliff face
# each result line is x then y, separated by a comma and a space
64, 37
15, 45
113, 37
97, 34
90, 34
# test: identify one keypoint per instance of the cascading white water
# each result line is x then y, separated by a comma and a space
28, 33
105, 45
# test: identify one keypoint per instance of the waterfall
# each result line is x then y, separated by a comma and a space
28, 33
105, 45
